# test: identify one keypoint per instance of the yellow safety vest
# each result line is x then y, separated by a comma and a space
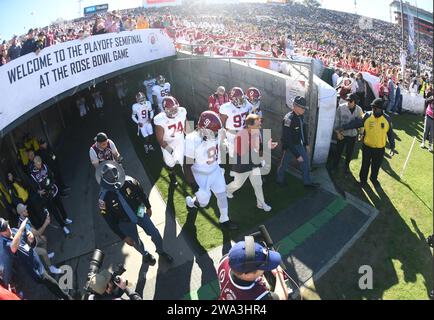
6, 194
23, 194
376, 131
32, 144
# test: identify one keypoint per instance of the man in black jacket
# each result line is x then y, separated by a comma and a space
124, 205
50, 159
294, 142
29, 45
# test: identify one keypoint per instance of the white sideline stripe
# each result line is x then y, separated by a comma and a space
408, 157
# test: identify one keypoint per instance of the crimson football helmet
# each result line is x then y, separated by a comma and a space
161, 81
170, 106
236, 96
140, 97
209, 125
254, 96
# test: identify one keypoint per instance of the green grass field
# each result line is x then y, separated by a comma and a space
203, 227
394, 245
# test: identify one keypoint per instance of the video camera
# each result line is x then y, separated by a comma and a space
94, 267
263, 237
50, 188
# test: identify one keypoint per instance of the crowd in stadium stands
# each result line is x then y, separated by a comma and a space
340, 40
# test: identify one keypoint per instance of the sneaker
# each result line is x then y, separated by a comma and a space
229, 195
264, 206
66, 230
149, 258
430, 148
166, 256
229, 225
51, 255
55, 270
190, 202
422, 145
68, 221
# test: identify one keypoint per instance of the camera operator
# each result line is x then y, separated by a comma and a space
104, 288
45, 186
124, 205
241, 273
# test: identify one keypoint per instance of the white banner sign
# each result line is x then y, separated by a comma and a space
30, 80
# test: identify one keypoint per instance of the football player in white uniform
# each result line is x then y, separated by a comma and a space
201, 168
253, 96
159, 91
149, 83
142, 115
170, 130
233, 116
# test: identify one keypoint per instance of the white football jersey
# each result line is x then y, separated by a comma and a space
236, 116
173, 127
161, 92
142, 113
149, 84
203, 152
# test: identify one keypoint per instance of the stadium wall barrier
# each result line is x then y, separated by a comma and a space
31, 80
412, 103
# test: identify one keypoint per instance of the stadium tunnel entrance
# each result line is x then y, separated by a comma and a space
192, 78
57, 121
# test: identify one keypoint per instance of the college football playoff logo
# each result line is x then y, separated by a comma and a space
152, 42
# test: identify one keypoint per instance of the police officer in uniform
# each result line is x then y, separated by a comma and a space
346, 138
378, 129
294, 142
103, 149
241, 271
124, 205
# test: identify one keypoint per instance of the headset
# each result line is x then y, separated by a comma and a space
264, 236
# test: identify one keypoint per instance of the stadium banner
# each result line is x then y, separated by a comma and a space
327, 97
30, 80
411, 49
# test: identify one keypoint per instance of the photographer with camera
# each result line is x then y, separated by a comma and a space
45, 186
241, 273
103, 285
124, 205
105, 289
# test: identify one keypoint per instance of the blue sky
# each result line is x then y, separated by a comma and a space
17, 16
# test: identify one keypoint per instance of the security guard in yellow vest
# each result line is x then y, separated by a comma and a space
378, 129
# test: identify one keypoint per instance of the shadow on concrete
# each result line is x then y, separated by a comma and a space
388, 246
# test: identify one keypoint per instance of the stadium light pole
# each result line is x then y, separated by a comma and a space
418, 38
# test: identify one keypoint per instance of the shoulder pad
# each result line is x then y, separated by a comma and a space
287, 119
